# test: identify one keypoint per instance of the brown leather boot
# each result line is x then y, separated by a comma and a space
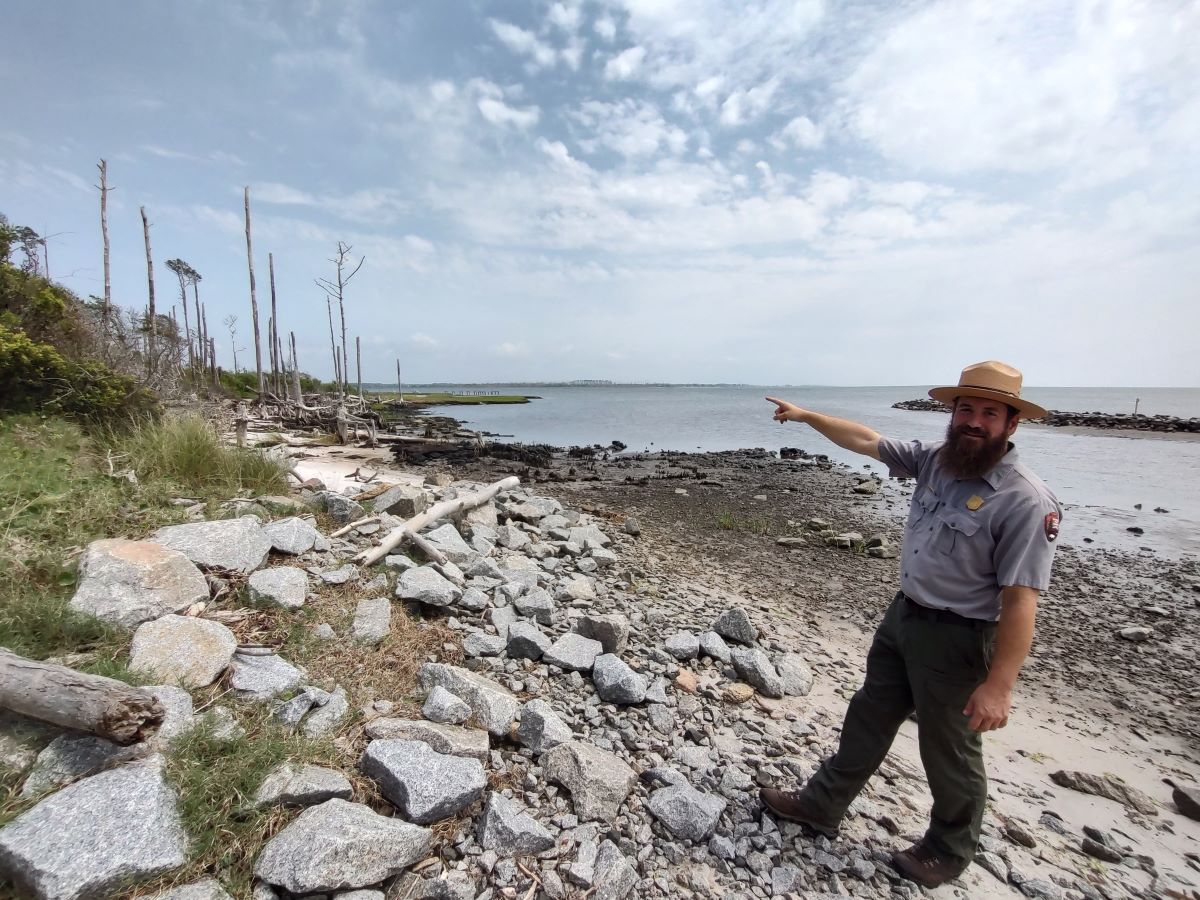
792, 806
920, 863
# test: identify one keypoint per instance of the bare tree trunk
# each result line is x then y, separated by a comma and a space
103, 167
299, 394
337, 364
212, 358
276, 362
90, 703
332, 345
205, 356
358, 363
399, 383
152, 319
282, 388
262, 387
200, 344
187, 328
345, 358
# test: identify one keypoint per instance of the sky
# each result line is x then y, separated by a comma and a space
763, 192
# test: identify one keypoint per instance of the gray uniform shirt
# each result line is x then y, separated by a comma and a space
958, 558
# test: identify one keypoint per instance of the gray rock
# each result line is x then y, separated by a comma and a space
661, 718
582, 870
130, 582
755, 668
425, 785
339, 507
994, 864
611, 630
589, 537
447, 539
492, 706
473, 600
447, 739
686, 812
235, 545
361, 895
22, 739
399, 561
714, 646
1136, 633
573, 653
541, 729
179, 718
178, 649
483, 568
290, 712
502, 617
657, 693
598, 781
69, 756
536, 604
797, 677
206, 889
106, 832
735, 625
427, 585
283, 586
293, 536
604, 558
403, 500
581, 590
614, 875
326, 718
323, 631
477, 643
263, 677
683, 645
632, 527
293, 784
221, 724
512, 538
616, 682
443, 707
340, 575
1106, 786
526, 641
372, 620
340, 846
510, 830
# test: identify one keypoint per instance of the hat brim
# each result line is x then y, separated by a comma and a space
948, 395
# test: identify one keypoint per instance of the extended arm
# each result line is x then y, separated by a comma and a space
852, 436
990, 703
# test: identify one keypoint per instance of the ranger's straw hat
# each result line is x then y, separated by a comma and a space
991, 380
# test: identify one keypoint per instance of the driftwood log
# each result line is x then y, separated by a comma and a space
71, 699
435, 513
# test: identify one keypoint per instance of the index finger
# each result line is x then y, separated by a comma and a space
775, 400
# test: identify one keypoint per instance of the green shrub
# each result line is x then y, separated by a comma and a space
36, 377
187, 452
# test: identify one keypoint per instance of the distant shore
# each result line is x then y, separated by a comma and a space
1091, 421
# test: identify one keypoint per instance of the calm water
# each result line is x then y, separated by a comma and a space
1098, 477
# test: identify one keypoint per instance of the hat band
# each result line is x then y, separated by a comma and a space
994, 390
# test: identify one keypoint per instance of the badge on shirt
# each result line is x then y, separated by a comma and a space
974, 502
1051, 525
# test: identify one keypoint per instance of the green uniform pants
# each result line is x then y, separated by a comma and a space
929, 661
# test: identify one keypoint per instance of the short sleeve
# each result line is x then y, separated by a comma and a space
1025, 549
905, 459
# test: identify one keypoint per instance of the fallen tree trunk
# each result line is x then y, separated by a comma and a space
435, 513
71, 699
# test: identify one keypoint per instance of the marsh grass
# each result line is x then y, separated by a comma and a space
726, 520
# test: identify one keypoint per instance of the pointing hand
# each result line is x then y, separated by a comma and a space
786, 412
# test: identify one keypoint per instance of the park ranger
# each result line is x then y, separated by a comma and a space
978, 546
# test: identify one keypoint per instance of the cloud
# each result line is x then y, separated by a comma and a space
802, 133
605, 28
218, 157
524, 42
632, 128
564, 16
422, 340
500, 113
625, 64
512, 350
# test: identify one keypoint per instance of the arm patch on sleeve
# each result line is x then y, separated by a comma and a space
1050, 525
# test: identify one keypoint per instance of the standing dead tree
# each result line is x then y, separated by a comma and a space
273, 329
151, 314
104, 189
336, 290
185, 274
262, 387
230, 322
337, 372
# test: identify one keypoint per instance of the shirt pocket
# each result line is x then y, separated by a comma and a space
954, 529
924, 502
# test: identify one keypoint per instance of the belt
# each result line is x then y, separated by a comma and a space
944, 616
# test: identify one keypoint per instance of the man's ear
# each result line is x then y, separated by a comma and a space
1012, 425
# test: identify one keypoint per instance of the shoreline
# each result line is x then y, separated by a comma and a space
710, 526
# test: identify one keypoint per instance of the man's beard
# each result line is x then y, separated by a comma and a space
966, 457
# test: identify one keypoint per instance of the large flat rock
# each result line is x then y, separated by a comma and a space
181, 650
293, 536
112, 830
448, 739
130, 582
284, 586
302, 784
235, 545
426, 786
340, 846
492, 706
263, 677
598, 781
